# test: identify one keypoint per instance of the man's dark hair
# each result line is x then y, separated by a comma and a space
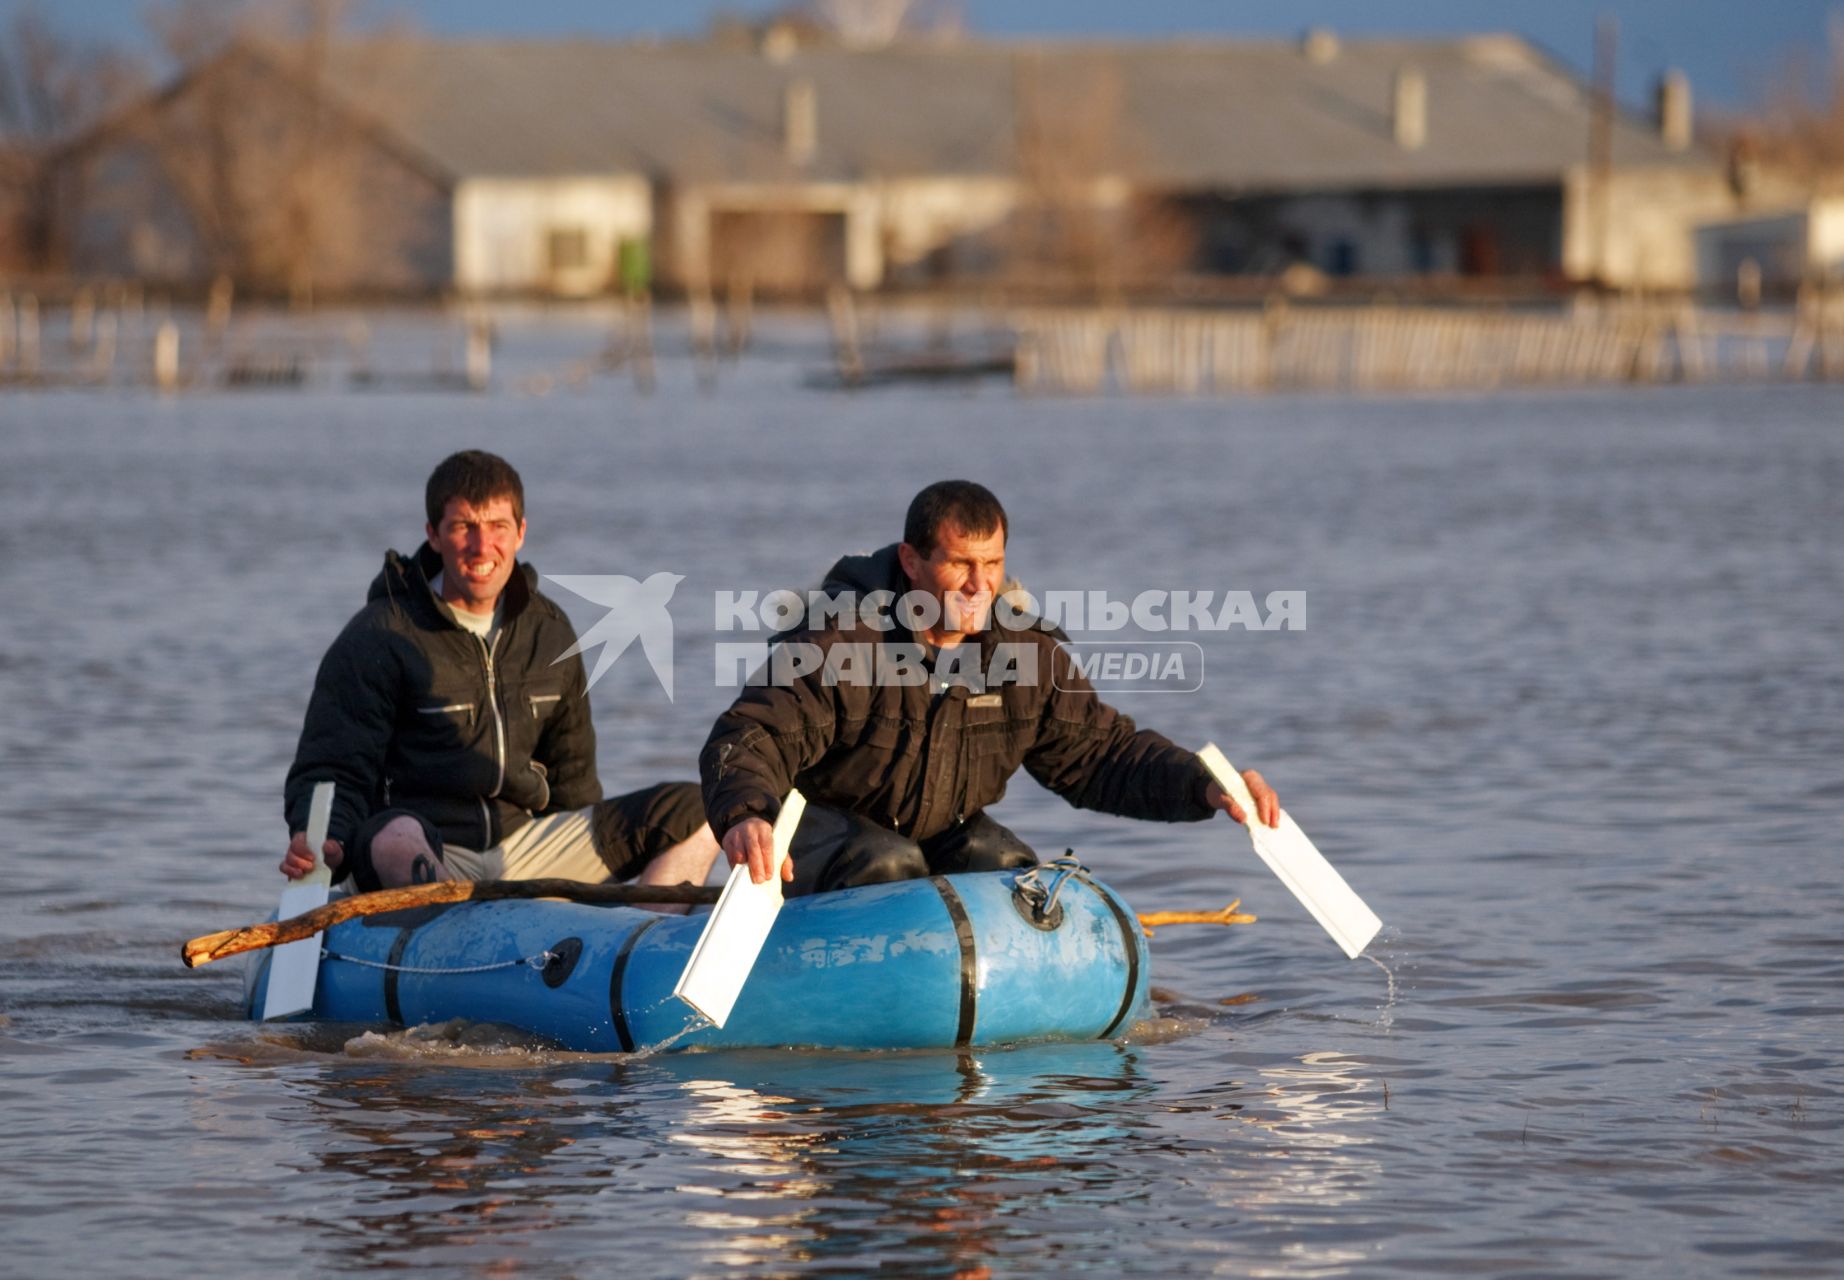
962, 503
476, 477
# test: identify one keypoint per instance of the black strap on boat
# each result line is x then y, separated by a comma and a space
617, 1009
969, 966
1130, 943
392, 1008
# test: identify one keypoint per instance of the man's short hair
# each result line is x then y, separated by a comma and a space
962, 503
476, 477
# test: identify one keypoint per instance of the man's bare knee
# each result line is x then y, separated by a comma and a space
400, 855
688, 862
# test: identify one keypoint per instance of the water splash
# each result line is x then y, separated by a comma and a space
697, 1022
1386, 1016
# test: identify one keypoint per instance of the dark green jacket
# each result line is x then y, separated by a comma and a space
411, 711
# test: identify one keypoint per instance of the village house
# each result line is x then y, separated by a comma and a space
425, 166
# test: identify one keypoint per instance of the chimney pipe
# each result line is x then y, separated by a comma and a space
1319, 45
1409, 109
800, 121
1674, 110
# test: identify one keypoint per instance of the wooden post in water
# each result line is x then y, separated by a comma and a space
82, 319
218, 307
8, 329
1692, 361
739, 314
1027, 355
102, 355
704, 338
479, 353
842, 311
28, 335
166, 356
633, 346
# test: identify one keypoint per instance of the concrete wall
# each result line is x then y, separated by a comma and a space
551, 235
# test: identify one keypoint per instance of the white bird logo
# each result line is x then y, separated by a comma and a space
636, 611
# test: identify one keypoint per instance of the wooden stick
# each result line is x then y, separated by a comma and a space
255, 937
230, 942
1151, 920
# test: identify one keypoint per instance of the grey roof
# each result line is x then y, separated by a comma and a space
1245, 115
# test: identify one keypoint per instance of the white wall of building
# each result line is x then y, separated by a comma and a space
556, 235
921, 215
1651, 219
1825, 235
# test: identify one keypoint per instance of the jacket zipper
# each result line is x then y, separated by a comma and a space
499, 742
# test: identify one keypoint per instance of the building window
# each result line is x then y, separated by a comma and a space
568, 248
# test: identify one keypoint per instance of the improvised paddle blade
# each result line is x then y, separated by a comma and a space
739, 925
1301, 867
294, 968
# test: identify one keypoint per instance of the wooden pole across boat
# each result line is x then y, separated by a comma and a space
254, 937
274, 933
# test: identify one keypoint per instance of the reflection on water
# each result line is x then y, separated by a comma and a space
932, 1163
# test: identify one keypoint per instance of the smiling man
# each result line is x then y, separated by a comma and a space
457, 732
905, 704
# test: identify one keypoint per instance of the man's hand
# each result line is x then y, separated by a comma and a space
752, 841
297, 862
1267, 804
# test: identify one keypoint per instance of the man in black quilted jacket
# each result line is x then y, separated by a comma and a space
902, 712
457, 733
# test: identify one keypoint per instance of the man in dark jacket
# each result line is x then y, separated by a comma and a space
457, 732
903, 709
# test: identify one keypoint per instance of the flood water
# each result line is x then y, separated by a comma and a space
1568, 711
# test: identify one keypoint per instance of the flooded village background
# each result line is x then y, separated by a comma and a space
1083, 215
1525, 377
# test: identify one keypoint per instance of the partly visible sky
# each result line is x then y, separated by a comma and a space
1733, 50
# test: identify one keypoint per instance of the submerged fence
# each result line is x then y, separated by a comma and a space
1382, 348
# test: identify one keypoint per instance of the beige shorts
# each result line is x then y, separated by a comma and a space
557, 845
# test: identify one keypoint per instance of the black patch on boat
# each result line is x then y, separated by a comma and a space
562, 962
615, 1005
969, 967
1129, 937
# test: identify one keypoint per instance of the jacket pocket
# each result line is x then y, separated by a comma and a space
459, 712
542, 781
542, 704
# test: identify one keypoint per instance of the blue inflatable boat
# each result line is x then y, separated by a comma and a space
951, 961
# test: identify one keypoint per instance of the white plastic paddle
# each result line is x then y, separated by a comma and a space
1302, 868
739, 925
294, 968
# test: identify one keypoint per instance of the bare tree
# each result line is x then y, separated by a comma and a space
1066, 117
282, 181
1798, 126
51, 87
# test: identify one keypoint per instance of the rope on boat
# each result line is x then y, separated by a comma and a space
537, 962
1041, 897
